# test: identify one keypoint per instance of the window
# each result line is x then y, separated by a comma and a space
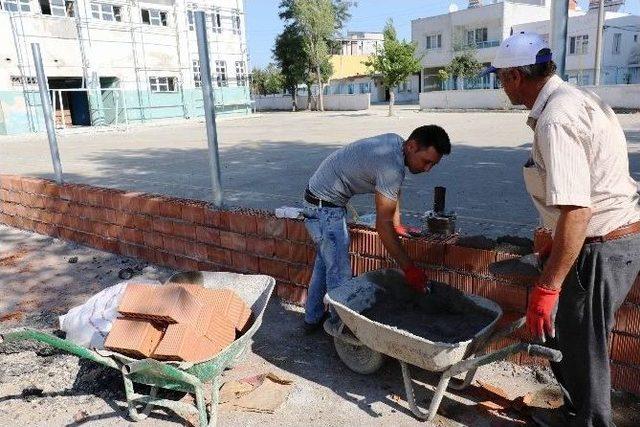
191, 20
15, 5
216, 22
162, 84
617, 38
106, 12
477, 36
197, 81
434, 41
241, 76
19, 80
235, 22
364, 88
579, 45
221, 73
56, 7
404, 87
154, 17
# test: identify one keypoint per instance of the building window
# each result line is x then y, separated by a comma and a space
434, 41
106, 12
235, 22
191, 20
197, 81
241, 75
15, 5
579, 45
221, 73
364, 88
19, 81
216, 22
162, 84
154, 17
477, 36
56, 7
617, 38
405, 87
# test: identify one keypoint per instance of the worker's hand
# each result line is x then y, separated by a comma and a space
416, 278
405, 231
541, 311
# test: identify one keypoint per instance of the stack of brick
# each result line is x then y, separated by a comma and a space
188, 235
177, 322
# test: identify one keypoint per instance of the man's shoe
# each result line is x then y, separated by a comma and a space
558, 417
311, 328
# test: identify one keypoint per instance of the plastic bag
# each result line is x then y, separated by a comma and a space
88, 324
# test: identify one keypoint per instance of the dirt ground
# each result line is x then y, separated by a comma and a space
42, 277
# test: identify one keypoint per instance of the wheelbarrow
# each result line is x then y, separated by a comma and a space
363, 344
187, 377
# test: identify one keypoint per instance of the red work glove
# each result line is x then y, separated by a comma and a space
541, 312
405, 231
416, 278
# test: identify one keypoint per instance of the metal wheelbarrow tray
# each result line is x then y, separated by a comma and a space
188, 377
362, 347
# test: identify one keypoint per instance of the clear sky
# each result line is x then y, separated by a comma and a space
263, 24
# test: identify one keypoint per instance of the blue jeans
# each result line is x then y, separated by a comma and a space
328, 230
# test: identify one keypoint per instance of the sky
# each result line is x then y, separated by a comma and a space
263, 24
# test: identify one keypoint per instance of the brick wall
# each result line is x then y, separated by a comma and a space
188, 235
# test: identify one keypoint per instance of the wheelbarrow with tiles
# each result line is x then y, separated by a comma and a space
364, 344
183, 377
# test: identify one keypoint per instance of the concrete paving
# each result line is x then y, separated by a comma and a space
267, 160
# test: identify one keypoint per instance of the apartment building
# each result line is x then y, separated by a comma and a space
118, 61
359, 43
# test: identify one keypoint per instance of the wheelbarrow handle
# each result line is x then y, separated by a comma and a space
545, 352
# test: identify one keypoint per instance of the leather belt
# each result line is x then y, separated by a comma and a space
627, 230
309, 197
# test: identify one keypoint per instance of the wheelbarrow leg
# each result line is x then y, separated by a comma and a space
435, 400
215, 398
201, 404
129, 393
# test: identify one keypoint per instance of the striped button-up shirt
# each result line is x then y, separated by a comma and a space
579, 158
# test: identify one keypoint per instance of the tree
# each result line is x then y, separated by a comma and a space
266, 82
292, 60
463, 65
395, 61
316, 20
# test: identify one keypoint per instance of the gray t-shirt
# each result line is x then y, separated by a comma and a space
369, 165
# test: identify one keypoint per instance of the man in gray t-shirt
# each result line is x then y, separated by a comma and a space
373, 165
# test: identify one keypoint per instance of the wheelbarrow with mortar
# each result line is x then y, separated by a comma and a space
452, 338
186, 377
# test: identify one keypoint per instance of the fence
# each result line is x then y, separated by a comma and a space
355, 102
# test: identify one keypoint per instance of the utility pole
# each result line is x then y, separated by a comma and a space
558, 39
599, 34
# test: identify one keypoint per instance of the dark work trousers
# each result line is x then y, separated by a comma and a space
594, 289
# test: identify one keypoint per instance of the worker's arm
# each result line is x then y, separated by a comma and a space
396, 215
386, 212
567, 244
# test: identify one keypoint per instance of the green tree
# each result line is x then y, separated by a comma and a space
316, 20
292, 60
268, 81
463, 65
395, 61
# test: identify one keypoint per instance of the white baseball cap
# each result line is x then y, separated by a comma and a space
518, 50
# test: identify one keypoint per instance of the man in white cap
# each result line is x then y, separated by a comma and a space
578, 177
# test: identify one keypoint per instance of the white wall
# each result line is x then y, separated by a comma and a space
331, 102
617, 96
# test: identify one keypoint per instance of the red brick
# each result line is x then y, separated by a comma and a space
32, 185
261, 247
225, 220
4, 195
296, 231
187, 231
242, 223
101, 229
112, 198
171, 208
311, 254
193, 213
174, 245
212, 218
270, 226
291, 293
66, 191
469, 259
300, 274
244, 262
152, 239
109, 245
166, 259
626, 349
164, 226
634, 293
437, 275
199, 251
207, 235
624, 377
45, 229
274, 268
209, 266
150, 205
13, 197
127, 249
96, 214
125, 219
509, 297
11, 182
186, 264
462, 282
114, 231
218, 255
61, 206
93, 197
129, 202
132, 235
142, 222
282, 249
233, 241
628, 319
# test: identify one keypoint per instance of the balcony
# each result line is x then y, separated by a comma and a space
484, 45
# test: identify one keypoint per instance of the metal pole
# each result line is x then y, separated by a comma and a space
46, 109
596, 78
209, 109
559, 22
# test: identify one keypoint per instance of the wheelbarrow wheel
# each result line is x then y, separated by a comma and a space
358, 358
